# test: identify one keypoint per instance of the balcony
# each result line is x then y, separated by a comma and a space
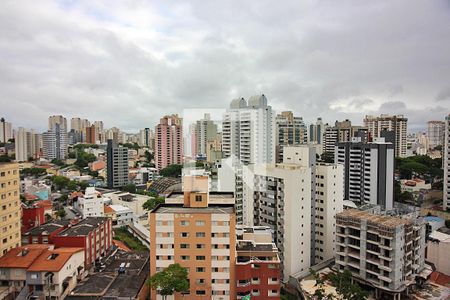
243, 283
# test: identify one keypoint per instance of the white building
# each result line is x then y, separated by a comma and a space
438, 249
123, 215
395, 123
435, 133
248, 131
446, 163
90, 205
21, 145
6, 131
132, 201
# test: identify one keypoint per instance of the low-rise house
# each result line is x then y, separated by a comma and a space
55, 272
438, 250
123, 215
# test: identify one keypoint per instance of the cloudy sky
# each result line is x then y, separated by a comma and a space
129, 62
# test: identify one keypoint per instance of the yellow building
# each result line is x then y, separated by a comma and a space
9, 207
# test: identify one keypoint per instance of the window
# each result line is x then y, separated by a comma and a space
200, 257
200, 223
200, 292
200, 234
184, 223
184, 246
184, 234
185, 257
200, 269
198, 198
200, 246
200, 281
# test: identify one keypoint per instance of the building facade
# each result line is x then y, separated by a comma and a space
205, 131
446, 164
394, 123
199, 236
258, 267
117, 165
90, 204
10, 210
369, 171
384, 252
55, 140
289, 130
169, 141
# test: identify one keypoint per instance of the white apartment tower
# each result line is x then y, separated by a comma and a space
435, 133
55, 140
395, 123
446, 162
248, 131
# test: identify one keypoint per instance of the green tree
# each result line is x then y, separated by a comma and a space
33, 172
130, 188
149, 156
61, 213
60, 182
172, 279
171, 171
58, 162
5, 158
345, 288
319, 293
72, 185
151, 203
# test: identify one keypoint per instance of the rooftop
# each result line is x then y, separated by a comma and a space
53, 260
22, 257
84, 227
167, 208
377, 219
109, 283
119, 208
47, 228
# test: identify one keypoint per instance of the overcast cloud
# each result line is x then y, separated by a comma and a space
130, 62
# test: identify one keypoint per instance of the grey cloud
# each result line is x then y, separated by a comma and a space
128, 63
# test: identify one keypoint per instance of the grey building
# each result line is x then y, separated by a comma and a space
117, 165
368, 171
380, 251
290, 130
55, 142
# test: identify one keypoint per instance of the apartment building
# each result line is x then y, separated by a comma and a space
394, 123
435, 133
342, 131
205, 131
116, 165
369, 171
10, 210
329, 200
90, 204
169, 141
279, 196
6, 131
446, 164
93, 234
381, 251
43, 234
198, 235
258, 267
290, 130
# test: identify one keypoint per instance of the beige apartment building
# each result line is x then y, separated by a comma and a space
199, 234
9, 207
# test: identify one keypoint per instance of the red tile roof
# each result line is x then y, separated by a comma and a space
47, 204
121, 245
440, 278
44, 264
108, 210
15, 258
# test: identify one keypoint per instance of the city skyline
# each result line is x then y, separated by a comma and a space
146, 60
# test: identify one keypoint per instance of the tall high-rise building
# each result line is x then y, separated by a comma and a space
386, 253
6, 131
169, 141
145, 138
75, 124
316, 132
248, 131
205, 130
98, 126
342, 131
10, 210
289, 130
446, 163
197, 230
369, 171
22, 143
117, 165
296, 198
60, 120
395, 123
435, 133
55, 142
90, 135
